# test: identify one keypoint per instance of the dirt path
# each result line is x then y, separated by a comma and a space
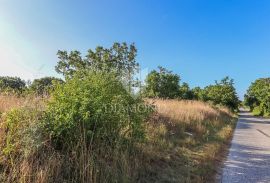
249, 155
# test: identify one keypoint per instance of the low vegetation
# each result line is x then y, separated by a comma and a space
185, 139
181, 141
93, 127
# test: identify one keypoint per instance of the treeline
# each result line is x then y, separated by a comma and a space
258, 97
163, 83
160, 83
16, 85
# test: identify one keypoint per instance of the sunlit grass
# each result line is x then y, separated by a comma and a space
183, 141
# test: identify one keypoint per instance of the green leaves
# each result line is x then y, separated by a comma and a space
12, 84
258, 97
162, 84
222, 93
44, 85
93, 102
120, 58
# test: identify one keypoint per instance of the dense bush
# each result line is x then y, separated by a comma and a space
98, 103
44, 85
258, 97
87, 132
12, 84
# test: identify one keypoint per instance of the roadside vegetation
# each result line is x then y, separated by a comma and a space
165, 84
258, 97
93, 127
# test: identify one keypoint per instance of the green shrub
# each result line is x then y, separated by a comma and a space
22, 131
257, 111
96, 104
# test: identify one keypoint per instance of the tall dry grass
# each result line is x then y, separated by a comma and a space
187, 110
184, 140
28, 155
8, 102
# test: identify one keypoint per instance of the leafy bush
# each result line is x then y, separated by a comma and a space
22, 131
257, 111
97, 103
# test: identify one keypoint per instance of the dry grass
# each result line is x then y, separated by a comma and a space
8, 102
187, 111
184, 140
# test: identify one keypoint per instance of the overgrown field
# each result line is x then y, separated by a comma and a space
178, 141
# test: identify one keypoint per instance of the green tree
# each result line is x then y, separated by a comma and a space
257, 97
14, 84
197, 93
162, 84
120, 58
222, 93
185, 92
44, 85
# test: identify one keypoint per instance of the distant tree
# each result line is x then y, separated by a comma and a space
185, 92
162, 84
14, 84
222, 93
44, 85
197, 93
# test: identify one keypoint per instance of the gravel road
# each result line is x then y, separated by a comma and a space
249, 155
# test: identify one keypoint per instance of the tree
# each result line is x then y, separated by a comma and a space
120, 58
185, 92
14, 84
162, 84
257, 97
197, 93
44, 85
222, 93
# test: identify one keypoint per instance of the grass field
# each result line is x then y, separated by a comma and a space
183, 142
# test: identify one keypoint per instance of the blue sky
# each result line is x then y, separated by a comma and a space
202, 41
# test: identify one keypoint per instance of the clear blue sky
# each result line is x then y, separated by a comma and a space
202, 41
